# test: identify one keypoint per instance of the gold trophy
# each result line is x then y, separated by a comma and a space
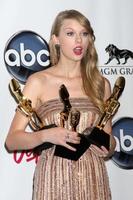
64, 97
25, 107
97, 135
74, 120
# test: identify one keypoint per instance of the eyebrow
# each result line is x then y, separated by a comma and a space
65, 28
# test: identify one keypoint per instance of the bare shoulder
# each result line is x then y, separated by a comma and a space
35, 86
107, 88
37, 79
31, 83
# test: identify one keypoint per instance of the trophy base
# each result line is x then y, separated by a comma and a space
73, 155
97, 137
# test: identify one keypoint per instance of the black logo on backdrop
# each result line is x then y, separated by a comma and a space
117, 62
25, 53
123, 132
115, 53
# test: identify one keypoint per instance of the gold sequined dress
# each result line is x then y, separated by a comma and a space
58, 178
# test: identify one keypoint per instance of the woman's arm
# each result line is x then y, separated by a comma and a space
17, 137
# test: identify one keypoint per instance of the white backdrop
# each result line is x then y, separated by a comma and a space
112, 23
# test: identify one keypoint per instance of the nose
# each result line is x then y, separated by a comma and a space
78, 38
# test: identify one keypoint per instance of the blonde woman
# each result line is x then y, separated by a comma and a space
74, 64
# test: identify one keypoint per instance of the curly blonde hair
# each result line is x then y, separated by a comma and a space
93, 81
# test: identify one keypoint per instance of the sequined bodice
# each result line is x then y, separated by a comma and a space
49, 112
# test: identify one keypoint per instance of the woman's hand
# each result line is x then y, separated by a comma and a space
101, 152
61, 136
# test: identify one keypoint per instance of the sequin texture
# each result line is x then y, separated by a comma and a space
57, 178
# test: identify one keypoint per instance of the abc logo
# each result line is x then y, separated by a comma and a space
123, 133
25, 53
26, 57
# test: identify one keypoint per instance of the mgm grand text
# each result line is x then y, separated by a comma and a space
116, 70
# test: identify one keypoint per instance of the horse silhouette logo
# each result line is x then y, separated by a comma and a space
115, 53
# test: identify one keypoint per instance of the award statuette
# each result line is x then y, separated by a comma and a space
25, 107
97, 135
75, 117
64, 97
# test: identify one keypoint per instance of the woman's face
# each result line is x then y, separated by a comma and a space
73, 40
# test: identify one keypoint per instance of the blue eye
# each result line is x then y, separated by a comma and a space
85, 34
70, 33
